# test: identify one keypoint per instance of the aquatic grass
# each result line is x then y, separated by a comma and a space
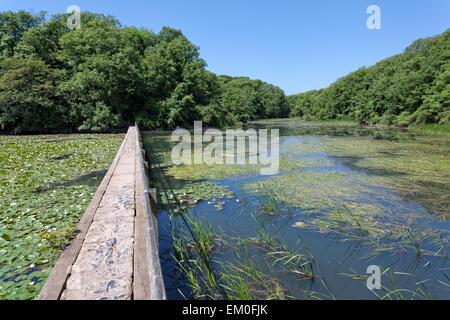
293, 262
415, 240
377, 236
160, 145
306, 190
397, 290
442, 248
420, 292
414, 164
244, 280
431, 128
241, 277
269, 204
273, 203
279, 252
264, 237
237, 278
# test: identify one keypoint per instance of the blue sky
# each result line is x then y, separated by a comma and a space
296, 45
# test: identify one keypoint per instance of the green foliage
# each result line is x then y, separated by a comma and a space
105, 76
28, 100
436, 104
42, 42
412, 87
301, 103
12, 27
252, 99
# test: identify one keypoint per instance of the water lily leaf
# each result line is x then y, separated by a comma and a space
6, 237
42, 261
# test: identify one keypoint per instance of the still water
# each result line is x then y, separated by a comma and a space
346, 198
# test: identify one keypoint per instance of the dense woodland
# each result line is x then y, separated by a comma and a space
105, 76
412, 87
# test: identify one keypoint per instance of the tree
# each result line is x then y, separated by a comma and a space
436, 105
302, 104
250, 99
42, 42
177, 78
105, 85
12, 27
28, 100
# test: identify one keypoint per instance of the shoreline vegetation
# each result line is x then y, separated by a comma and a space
429, 128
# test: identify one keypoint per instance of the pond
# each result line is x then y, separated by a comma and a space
346, 198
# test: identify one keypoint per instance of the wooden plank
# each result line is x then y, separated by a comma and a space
148, 280
141, 285
56, 282
103, 269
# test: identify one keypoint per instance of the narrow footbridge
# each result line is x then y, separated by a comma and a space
115, 252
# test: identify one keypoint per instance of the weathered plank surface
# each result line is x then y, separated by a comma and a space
115, 254
104, 267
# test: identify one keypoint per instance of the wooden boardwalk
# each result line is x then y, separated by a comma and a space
115, 254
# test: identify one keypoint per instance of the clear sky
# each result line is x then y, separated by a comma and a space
297, 45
